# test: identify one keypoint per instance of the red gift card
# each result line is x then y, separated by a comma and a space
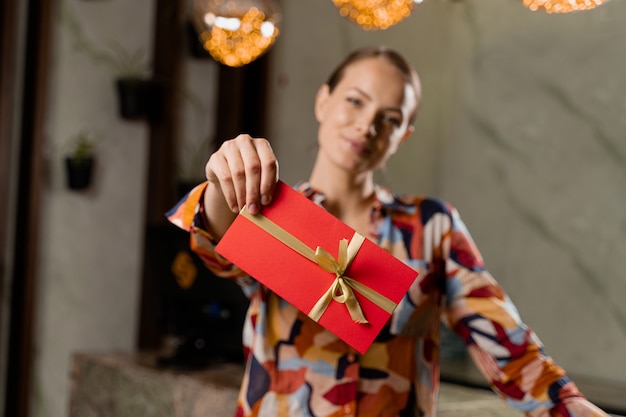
295, 248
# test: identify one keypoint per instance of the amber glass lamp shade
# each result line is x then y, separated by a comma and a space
375, 14
562, 6
236, 32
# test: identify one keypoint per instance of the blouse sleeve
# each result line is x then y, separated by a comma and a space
505, 350
188, 214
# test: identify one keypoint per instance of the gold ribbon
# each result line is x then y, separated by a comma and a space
341, 289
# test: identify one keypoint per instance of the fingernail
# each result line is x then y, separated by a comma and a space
253, 208
235, 209
265, 199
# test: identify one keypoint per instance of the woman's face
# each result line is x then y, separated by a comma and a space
366, 117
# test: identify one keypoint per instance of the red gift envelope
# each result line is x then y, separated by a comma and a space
308, 257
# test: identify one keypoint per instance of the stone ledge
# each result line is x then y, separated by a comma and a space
131, 385
121, 384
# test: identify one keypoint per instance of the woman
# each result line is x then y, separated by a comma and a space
297, 368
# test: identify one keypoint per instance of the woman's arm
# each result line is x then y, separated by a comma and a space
506, 351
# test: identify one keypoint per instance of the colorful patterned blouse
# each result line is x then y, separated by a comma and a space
296, 368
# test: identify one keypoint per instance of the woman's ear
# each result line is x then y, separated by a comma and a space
320, 101
405, 136
409, 131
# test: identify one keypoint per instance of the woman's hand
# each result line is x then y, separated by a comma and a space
242, 171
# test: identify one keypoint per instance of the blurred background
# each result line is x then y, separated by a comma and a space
521, 128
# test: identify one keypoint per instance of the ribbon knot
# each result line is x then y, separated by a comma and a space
341, 288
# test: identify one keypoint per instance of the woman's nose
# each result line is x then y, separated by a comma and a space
367, 125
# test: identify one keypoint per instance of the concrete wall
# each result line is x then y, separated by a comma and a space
91, 242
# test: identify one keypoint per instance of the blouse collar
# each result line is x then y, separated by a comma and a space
385, 199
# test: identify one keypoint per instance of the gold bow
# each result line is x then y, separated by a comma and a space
341, 290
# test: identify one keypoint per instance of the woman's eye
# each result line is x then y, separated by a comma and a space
354, 101
391, 120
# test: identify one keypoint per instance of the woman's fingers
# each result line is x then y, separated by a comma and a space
246, 170
218, 172
248, 179
269, 170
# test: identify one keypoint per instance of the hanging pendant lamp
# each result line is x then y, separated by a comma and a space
562, 6
375, 14
236, 32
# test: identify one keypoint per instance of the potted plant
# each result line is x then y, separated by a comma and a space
80, 160
136, 92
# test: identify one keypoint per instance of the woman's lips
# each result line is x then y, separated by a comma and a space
357, 146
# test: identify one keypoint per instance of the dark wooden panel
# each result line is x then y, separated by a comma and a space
30, 164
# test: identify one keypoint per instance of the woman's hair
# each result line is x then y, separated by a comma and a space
393, 57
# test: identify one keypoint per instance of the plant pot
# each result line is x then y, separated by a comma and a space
137, 98
79, 172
